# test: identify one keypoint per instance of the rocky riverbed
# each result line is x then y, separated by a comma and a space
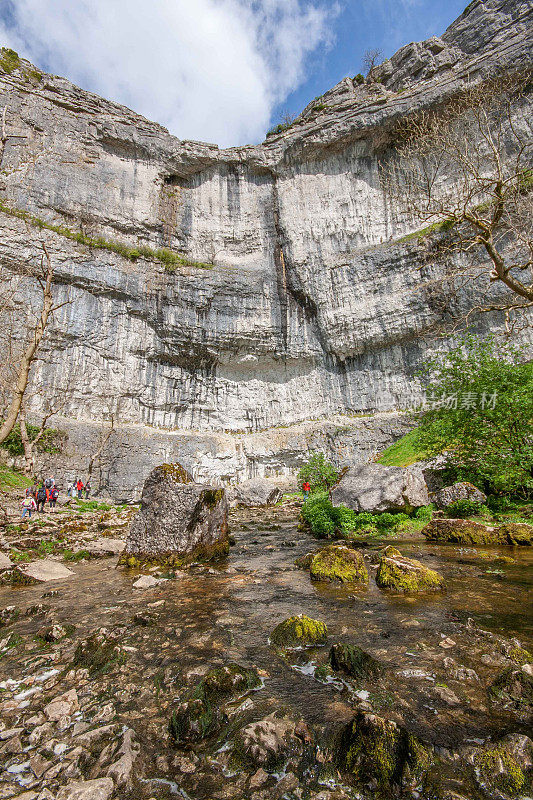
93, 669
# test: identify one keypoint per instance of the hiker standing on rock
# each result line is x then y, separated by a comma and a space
306, 488
41, 497
87, 488
28, 506
79, 487
53, 495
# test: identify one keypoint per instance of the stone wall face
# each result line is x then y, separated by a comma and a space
310, 306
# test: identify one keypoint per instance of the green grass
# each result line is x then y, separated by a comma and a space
9, 479
437, 227
403, 452
9, 60
169, 258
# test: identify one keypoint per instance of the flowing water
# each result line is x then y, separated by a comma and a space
226, 613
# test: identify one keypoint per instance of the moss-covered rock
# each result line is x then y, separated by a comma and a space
517, 533
299, 631
459, 531
179, 521
353, 661
514, 688
465, 531
199, 715
339, 563
374, 749
503, 769
401, 574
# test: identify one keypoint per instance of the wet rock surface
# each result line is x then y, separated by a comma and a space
338, 563
413, 678
466, 531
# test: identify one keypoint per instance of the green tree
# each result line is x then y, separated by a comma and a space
320, 473
481, 413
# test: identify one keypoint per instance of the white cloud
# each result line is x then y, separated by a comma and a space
207, 69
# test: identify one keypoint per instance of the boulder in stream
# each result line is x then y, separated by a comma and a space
350, 659
199, 714
406, 575
465, 531
298, 632
376, 488
336, 562
256, 492
179, 521
268, 743
378, 750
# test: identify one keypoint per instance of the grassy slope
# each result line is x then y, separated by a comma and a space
9, 479
403, 452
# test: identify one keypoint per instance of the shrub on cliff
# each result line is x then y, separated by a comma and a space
320, 473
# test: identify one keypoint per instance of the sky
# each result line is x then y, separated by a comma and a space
221, 71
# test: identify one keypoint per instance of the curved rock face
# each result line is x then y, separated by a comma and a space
298, 299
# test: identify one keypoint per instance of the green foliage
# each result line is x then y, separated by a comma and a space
9, 479
424, 513
462, 509
320, 473
482, 414
50, 442
9, 60
170, 259
359, 78
327, 521
403, 452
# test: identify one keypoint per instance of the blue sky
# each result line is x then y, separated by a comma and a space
362, 24
215, 70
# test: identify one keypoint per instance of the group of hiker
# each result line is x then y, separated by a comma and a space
47, 491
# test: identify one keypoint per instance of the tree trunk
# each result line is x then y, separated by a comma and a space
27, 444
29, 355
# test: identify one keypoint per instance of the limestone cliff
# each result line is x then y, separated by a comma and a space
296, 299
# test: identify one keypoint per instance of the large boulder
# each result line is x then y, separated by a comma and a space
465, 531
504, 769
338, 563
179, 521
375, 488
458, 491
256, 492
401, 574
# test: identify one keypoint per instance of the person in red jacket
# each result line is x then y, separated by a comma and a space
79, 487
306, 489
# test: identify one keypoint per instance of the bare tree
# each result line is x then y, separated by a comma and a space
466, 169
30, 443
371, 58
19, 367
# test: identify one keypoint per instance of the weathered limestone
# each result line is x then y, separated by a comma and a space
306, 303
374, 488
256, 492
179, 520
458, 491
43, 571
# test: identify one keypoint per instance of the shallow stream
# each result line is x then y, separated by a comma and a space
226, 613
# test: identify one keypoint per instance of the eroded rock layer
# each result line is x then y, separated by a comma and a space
296, 298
